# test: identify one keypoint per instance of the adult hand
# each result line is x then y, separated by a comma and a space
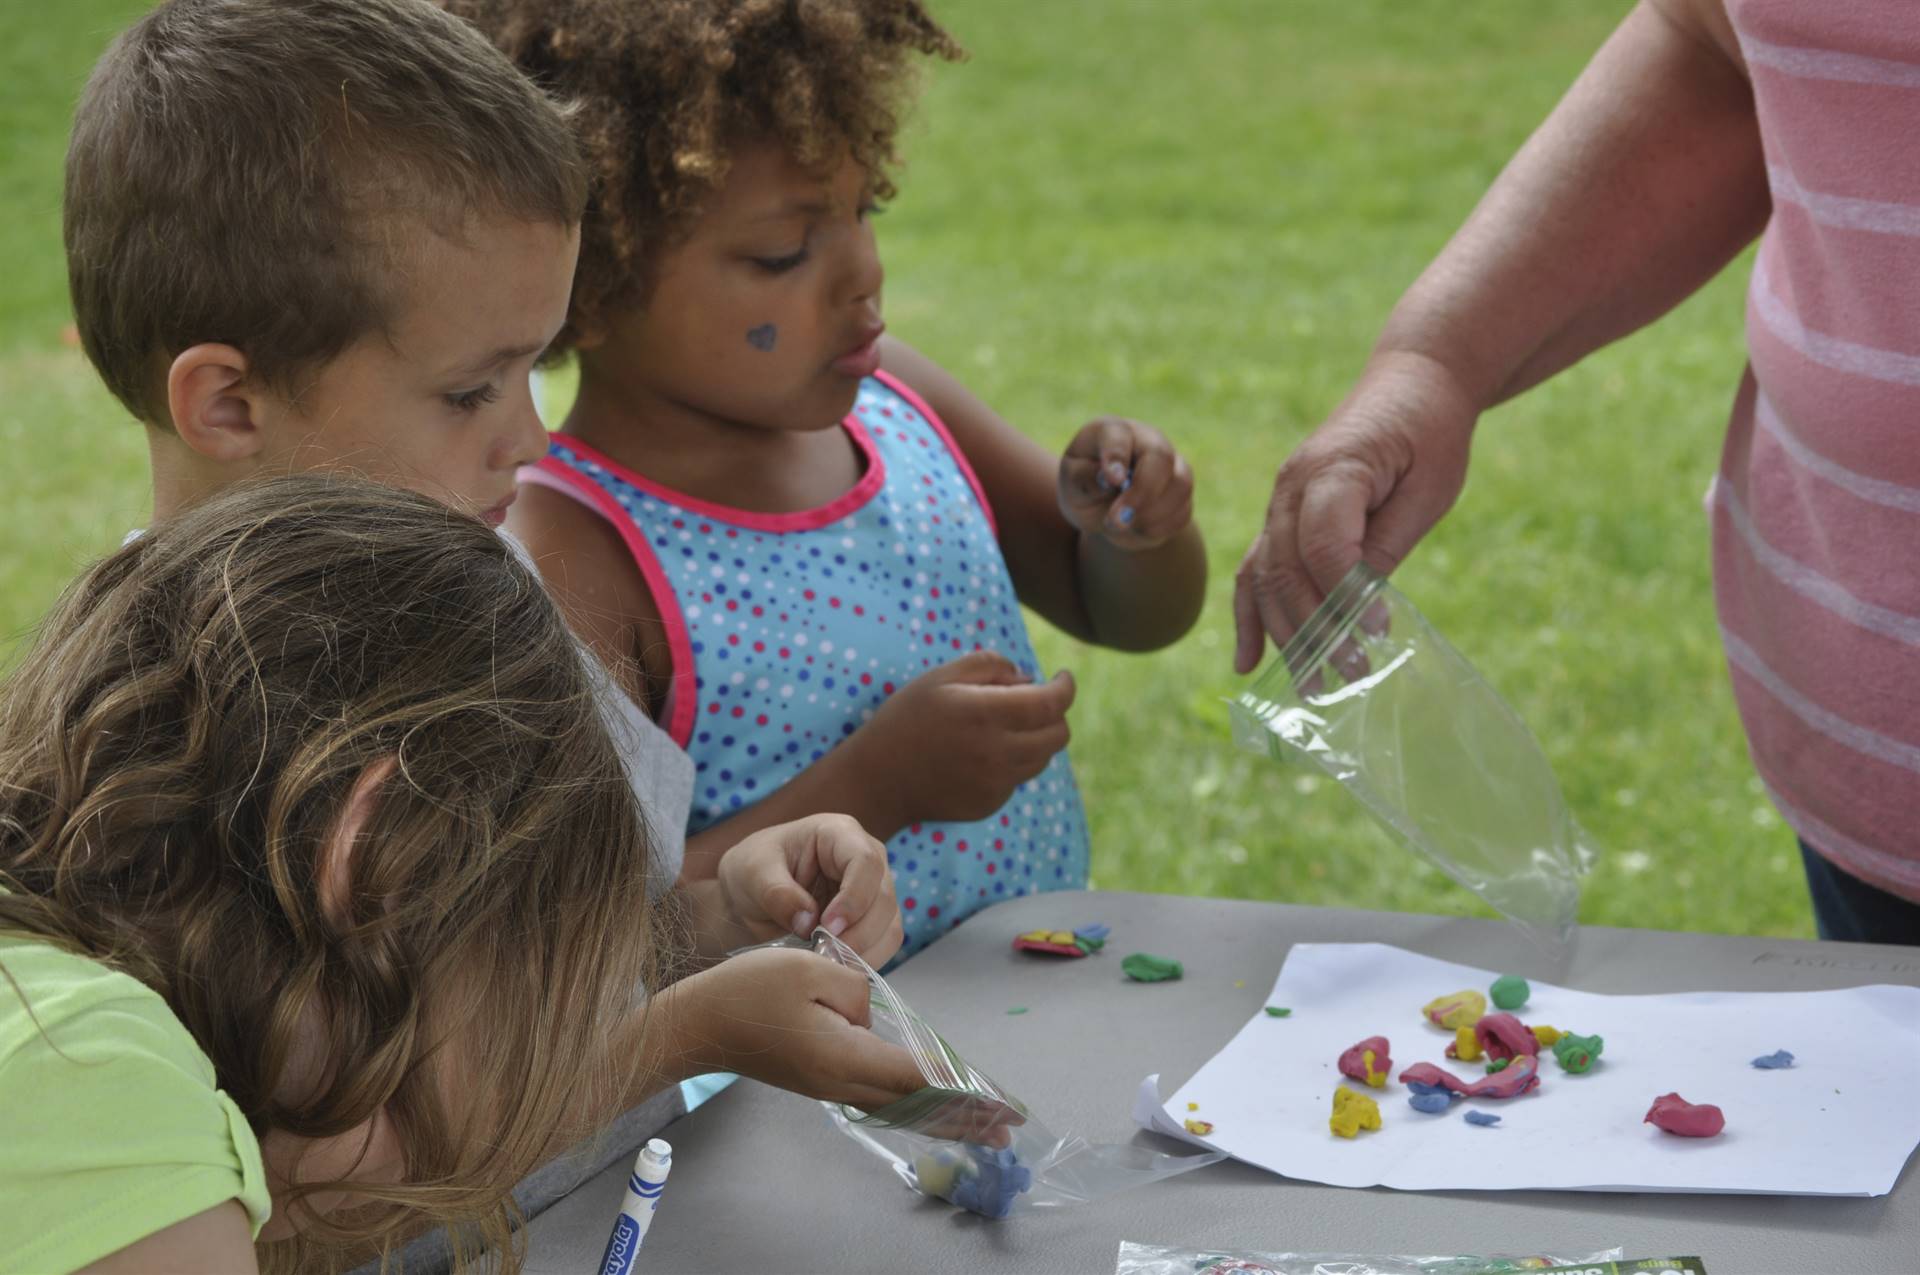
822, 870
1365, 486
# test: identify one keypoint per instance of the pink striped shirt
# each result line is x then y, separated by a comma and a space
1816, 511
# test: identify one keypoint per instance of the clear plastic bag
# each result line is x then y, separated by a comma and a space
966, 1140
1151, 1259
1370, 693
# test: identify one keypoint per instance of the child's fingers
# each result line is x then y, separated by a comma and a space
1031, 706
873, 1072
1031, 750
1161, 483
842, 990
859, 863
878, 932
1098, 464
982, 668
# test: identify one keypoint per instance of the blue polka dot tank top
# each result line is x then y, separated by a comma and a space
788, 631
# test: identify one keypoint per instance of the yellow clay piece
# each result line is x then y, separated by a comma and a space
1193, 1106
1547, 1035
1466, 1044
1352, 1112
1376, 1078
1457, 1010
1200, 1127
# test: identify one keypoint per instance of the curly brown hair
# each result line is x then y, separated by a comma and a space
663, 91
174, 750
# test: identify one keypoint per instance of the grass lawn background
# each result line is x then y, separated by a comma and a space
1196, 212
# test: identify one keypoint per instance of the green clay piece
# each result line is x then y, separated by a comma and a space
1278, 1011
1510, 991
1498, 1064
1144, 967
1089, 946
1018, 1009
1577, 1053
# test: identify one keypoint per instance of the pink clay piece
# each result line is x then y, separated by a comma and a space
1504, 1036
1368, 1062
1516, 1078
1676, 1115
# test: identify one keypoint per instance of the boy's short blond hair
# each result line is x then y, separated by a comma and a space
251, 172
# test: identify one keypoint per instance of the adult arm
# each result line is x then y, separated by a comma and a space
1642, 184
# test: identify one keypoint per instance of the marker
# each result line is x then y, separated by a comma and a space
649, 1178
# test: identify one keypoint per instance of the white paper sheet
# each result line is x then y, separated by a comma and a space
1841, 1121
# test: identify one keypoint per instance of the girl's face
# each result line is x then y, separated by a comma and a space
768, 314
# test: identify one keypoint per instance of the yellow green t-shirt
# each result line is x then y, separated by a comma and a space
111, 1124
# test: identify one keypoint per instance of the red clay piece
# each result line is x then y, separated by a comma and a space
1518, 1077
1368, 1062
1676, 1115
1504, 1036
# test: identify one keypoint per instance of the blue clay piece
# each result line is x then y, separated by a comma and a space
1484, 1119
997, 1178
1778, 1060
1421, 1088
1093, 931
1431, 1103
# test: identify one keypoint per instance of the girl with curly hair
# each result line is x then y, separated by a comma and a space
808, 541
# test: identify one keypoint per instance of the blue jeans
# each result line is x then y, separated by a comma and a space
1848, 909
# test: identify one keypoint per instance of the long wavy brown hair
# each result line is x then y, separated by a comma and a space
176, 749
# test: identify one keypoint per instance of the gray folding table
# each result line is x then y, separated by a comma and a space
762, 1183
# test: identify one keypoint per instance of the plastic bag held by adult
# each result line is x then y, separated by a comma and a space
965, 1140
1371, 694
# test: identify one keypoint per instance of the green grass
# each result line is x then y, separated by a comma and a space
1198, 212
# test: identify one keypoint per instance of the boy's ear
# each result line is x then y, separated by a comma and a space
336, 856
215, 410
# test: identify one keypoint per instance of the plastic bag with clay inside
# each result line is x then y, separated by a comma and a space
969, 1142
1151, 1259
1370, 693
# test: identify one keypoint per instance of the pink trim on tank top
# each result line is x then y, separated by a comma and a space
556, 476
800, 520
932, 418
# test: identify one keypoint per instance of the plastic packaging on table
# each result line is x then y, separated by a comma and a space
1370, 693
966, 1140
1151, 1259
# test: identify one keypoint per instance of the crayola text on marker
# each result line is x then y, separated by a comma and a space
648, 1179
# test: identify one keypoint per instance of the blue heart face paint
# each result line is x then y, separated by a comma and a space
763, 337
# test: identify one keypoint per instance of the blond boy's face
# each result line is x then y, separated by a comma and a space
441, 403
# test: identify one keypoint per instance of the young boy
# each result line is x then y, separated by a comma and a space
335, 236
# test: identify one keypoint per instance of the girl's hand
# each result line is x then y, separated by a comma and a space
798, 1021
1123, 481
822, 870
955, 742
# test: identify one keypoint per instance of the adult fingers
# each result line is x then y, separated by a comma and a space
1333, 521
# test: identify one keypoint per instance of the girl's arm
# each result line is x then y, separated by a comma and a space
1135, 585
217, 1240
